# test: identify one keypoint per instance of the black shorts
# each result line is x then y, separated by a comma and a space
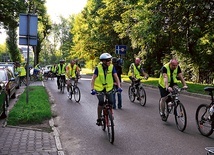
163, 91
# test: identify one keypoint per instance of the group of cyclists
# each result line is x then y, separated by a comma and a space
105, 77
66, 72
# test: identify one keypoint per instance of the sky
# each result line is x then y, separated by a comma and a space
55, 8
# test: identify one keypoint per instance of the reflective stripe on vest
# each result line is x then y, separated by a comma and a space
101, 82
161, 79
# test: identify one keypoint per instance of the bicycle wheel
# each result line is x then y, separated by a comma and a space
77, 94
166, 111
180, 116
131, 93
142, 94
203, 120
71, 93
110, 127
103, 119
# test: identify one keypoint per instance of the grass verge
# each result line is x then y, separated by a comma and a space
192, 87
35, 111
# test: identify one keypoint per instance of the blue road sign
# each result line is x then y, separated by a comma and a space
120, 49
28, 25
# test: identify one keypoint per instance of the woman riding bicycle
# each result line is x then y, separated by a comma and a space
168, 79
103, 81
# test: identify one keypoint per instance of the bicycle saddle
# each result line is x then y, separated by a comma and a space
209, 89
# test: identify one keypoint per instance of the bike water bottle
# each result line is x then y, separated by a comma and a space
211, 110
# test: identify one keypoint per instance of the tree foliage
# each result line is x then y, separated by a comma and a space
156, 31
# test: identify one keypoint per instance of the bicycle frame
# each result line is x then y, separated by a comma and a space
107, 117
74, 90
178, 109
174, 99
136, 89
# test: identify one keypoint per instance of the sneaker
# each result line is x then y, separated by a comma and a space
68, 94
163, 117
99, 122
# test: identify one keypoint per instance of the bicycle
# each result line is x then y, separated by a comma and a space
74, 90
174, 106
210, 150
136, 90
61, 83
107, 117
204, 115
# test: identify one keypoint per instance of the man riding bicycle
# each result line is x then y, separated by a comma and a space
60, 71
168, 79
103, 81
136, 71
71, 73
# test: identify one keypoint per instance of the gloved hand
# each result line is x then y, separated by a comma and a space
119, 90
93, 92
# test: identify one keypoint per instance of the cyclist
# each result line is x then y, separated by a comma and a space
78, 68
22, 73
116, 63
53, 69
71, 73
136, 71
168, 78
103, 81
60, 71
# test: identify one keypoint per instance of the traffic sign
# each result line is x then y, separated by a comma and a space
120, 49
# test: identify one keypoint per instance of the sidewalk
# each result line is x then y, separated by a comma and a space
27, 141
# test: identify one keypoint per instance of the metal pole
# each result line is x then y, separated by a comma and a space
28, 42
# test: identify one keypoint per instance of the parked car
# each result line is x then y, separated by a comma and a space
11, 66
3, 100
7, 77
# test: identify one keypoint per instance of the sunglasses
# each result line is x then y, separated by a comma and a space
108, 60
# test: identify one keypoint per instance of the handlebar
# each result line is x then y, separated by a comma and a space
177, 90
106, 93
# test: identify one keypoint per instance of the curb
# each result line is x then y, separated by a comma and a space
52, 125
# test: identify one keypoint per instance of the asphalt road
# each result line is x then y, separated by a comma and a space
138, 130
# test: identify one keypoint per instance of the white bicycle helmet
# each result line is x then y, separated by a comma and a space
105, 56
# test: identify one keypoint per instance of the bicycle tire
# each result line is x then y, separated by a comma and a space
180, 116
77, 94
71, 93
103, 119
142, 94
203, 122
110, 127
131, 94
